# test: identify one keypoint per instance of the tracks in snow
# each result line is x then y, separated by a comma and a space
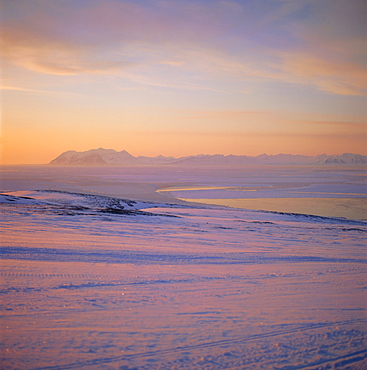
351, 357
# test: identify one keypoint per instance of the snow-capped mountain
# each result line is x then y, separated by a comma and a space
346, 158
96, 157
110, 157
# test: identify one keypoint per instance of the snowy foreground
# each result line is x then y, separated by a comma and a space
94, 282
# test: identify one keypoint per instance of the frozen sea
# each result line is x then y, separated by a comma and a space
148, 267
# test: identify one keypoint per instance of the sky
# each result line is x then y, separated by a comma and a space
182, 77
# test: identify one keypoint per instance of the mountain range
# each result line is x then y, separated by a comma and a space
110, 157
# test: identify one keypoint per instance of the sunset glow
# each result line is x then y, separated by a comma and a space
182, 77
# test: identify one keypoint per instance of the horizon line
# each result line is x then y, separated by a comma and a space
205, 154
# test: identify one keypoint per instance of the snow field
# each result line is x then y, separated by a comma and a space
86, 287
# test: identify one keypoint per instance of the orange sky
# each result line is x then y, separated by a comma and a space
182, 77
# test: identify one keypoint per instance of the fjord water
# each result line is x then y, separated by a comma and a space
352, 208
330, 191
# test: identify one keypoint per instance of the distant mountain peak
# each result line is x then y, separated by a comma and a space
110, 157
95, 157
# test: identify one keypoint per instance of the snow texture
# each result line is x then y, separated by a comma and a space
94, 281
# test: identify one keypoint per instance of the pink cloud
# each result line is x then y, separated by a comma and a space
335, 76
197, 39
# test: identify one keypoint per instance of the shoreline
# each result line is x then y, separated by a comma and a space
265, 188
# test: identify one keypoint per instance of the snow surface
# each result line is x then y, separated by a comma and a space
95, 281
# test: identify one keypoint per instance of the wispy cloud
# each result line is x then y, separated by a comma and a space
24, 89
174, 63
217, 45
45, 55
66, 37
335, 76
